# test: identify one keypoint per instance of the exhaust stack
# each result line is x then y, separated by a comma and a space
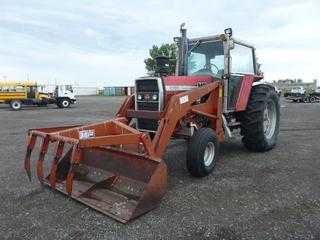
183, 51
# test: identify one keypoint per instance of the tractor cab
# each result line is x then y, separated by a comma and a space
221, 57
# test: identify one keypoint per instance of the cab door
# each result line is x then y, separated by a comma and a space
242, 70
31, 92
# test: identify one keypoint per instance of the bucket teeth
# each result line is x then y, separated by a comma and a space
57, 156
69, 181
75, 161
27, 163
43, 152
30, 147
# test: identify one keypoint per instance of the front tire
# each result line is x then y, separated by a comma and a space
305, 99
64, 103
203, 152
15, 105
260, 121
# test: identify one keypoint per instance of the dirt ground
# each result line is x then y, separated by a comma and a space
273, 195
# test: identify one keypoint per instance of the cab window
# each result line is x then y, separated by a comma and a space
69, 88
242, 60
20, 89
206, 58
5, 89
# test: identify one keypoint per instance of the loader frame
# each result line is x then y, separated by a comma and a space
118, 138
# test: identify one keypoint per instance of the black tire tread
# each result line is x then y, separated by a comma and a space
251, 120
195, 151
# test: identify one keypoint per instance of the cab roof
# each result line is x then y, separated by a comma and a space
217, 38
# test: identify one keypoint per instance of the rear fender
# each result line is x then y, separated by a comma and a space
244, 93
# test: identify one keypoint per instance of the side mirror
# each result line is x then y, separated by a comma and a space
228, 32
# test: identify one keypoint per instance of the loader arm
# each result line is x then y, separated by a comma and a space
183, 105
127, 104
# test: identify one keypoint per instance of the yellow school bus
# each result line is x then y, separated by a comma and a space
17, 94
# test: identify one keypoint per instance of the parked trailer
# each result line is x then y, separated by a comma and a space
305, 98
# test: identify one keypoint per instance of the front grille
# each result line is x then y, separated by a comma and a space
145, 86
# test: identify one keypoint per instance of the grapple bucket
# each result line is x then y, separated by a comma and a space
109, 167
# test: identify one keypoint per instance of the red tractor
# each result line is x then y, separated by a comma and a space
116, 166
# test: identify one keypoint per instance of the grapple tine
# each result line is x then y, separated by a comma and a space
75, 160
30, 147
43, 152
69, 182
57, 156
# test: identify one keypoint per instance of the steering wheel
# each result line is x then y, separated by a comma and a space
212, 64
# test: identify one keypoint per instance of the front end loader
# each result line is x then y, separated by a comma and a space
116, 166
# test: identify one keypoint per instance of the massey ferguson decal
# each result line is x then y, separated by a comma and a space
200, 84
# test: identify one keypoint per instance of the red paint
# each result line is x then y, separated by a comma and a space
244, 93
185, 80
53, 178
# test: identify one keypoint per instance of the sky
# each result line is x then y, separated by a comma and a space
103, 43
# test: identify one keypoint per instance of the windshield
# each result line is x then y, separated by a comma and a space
69, 88
206, 59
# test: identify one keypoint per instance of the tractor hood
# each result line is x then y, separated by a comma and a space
184, 83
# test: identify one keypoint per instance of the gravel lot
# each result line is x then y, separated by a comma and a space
273, 195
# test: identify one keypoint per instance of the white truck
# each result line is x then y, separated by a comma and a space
298, 90
64, 96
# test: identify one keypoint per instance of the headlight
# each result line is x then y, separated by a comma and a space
139, 97
155, 97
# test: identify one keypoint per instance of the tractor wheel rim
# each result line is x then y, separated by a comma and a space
65, 103
209, 154
269, 119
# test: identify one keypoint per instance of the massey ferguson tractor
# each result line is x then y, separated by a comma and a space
116, 166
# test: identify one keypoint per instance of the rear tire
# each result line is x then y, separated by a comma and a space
312, 99
15, 105
260, 121
203, 152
